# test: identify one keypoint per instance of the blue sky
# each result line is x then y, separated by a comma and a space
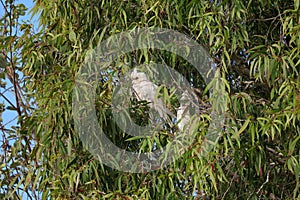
9, 117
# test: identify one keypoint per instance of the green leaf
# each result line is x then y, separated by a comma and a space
72, 36
242, 129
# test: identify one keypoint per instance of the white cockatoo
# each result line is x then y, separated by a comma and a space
183, 114
146, 90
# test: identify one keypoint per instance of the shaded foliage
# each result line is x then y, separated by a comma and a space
255, 44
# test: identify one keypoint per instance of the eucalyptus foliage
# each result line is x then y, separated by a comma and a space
255, 45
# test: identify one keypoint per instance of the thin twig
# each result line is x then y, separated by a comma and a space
271, 18
4, 7
267, 180
234, 176
8, 101
279, 157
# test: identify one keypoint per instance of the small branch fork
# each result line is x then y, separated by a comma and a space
267, 180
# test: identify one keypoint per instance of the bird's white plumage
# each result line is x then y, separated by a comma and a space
146, 90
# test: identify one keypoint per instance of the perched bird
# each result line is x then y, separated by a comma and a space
146, 90
183, 112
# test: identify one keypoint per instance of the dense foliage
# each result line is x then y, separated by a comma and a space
256, 46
